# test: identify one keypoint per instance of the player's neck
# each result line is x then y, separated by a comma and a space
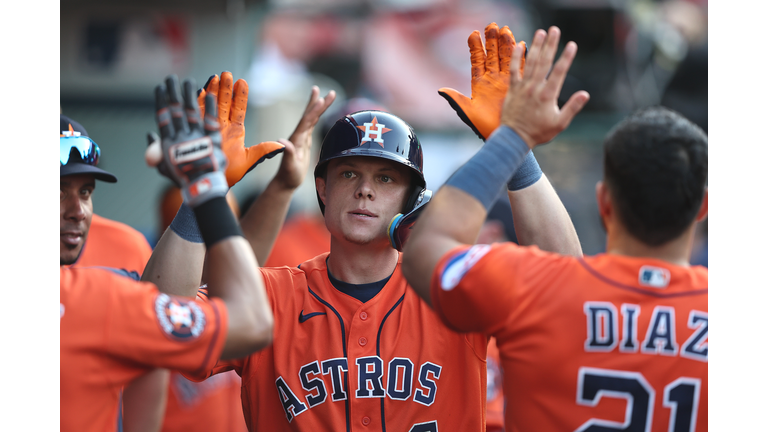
358, 264
677, 251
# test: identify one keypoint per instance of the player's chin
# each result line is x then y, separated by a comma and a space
68, 253
367, 237
360, 239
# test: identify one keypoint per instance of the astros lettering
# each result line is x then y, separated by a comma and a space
400, 382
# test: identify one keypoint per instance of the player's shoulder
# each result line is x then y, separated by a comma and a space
647, 273
99, 283
506, 253
277, 277
116, 230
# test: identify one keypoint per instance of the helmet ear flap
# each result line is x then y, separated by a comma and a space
416, 193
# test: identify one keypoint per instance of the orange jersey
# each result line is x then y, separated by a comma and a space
212, 405
339, 364
114, 329
303, 237
114, 244
601, 343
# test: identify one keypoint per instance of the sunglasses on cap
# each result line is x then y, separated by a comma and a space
88, 150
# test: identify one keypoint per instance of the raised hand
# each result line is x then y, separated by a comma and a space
490, 78
188, 150
232, 105
530, 106
296, 159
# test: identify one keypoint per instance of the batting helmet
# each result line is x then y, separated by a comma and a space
376, 134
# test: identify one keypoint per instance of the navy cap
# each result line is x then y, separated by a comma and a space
75, 165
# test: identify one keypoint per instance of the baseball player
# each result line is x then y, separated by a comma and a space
354, 347
114, 329
101, 242
617, 341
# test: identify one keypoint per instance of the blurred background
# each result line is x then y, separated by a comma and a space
393, 53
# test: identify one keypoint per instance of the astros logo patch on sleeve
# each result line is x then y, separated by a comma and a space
460, 264
180, 319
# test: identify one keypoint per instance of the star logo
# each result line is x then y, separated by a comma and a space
180, 315
373, 132
70, 133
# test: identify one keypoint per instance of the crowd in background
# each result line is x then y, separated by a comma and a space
392, 53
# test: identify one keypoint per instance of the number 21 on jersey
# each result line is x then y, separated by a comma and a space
681, 396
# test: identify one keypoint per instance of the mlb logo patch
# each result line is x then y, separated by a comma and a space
180, 319
655, 277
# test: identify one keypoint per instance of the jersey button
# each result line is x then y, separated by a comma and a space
362, 341
366, 421
363, 315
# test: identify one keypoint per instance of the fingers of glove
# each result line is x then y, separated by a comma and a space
506, 43
210, 80
476, 55
492, 47
212, 85
190, 104
210, 120
533, 53
225, 97
201, 101
162, 114
547, 55
463, 107
254, 155
258, 153
154, 153
557, 76
456, 99
239, 102
174, 104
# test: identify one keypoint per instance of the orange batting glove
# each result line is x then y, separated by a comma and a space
490, 80
232, 102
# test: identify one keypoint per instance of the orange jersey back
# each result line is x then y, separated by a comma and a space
601, 343
114, 329
114, 244
339, 364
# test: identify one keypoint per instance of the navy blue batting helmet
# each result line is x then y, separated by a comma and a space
374, 134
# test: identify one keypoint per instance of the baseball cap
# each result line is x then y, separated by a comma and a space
79, 154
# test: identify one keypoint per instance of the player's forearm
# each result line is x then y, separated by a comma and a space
233, 276
144, 402
262, 222
541, 219
452, 218
176, 265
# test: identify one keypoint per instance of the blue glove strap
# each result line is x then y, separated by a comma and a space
185, 225
528, 174
492, 166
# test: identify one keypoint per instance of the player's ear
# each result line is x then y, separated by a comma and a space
604, 205
320, 186
704, 207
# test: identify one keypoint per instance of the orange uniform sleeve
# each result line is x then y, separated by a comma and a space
474, 288
156, 329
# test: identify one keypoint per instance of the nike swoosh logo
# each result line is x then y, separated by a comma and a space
303, 317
